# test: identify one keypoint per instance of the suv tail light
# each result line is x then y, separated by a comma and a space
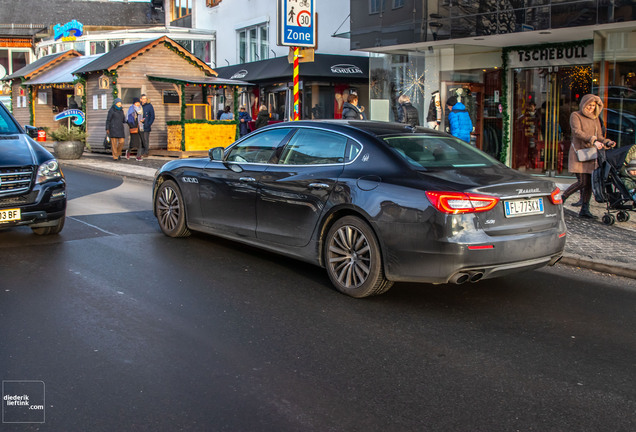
460, 202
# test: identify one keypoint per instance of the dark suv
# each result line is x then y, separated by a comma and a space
32, 186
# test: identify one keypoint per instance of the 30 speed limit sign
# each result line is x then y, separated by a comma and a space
297, 23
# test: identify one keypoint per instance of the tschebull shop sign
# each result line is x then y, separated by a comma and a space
551, 56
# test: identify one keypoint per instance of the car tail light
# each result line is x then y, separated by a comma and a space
460, 202
556, 197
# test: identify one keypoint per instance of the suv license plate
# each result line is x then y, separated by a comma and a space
9, 215
524, 207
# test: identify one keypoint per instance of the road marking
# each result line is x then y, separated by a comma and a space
93, 226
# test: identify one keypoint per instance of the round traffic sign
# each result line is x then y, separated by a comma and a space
304, 18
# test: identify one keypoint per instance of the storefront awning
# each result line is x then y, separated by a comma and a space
209, 81
279, 69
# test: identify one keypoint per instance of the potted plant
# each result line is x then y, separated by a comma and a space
69, 142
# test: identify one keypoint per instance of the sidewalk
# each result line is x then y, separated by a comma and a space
590, 244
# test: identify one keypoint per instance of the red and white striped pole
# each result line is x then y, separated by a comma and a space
296, 94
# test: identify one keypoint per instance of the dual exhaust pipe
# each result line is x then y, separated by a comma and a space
463, 277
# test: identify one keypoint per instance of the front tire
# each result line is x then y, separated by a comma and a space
50, 230
353, 260
170, 210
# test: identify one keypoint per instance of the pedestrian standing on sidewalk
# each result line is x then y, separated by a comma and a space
149, 119
586, 133
115, 128
262, 119
351, 110
135, 121
244, 118
459, 123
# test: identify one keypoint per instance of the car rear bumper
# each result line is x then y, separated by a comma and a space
476, 255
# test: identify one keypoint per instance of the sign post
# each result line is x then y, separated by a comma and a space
296, 28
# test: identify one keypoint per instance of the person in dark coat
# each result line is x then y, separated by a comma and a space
586, 133
244, 118
350, 109
459, 120
262, 119
410, 115
149, 119
115, 128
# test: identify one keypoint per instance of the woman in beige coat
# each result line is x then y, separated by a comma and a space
586, 133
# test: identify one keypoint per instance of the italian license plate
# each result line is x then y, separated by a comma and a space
524, 207
9, 215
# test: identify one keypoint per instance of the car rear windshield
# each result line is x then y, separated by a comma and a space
430, 152
7, 125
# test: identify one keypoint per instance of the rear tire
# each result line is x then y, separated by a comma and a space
170, 210
50, 230
353, 259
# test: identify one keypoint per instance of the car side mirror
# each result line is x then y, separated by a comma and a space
216, 153
32, 131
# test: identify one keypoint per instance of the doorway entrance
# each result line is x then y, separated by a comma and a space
543, 100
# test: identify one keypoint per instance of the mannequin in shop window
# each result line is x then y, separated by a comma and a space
434, 116
532, 135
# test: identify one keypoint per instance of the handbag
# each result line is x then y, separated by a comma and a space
586, 154
134, 130
107, 142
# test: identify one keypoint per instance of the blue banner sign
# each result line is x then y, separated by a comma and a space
297, 23
79, 114
69, 31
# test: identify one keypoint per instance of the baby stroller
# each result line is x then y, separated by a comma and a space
608, 187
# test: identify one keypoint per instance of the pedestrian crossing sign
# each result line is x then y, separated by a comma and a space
297, 23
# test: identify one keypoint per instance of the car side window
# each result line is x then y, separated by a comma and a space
258, 148
313, 147
353, 149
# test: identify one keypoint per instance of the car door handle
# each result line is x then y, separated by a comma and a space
319, 185
247, 179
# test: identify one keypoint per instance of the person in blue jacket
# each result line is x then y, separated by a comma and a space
459, 120
244, 118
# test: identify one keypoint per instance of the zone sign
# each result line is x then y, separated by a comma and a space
297, 23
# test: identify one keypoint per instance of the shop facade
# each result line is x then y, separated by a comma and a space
519, 74
325, 83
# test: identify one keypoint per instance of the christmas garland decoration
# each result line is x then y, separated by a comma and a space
114, 78
31, 106
503, 156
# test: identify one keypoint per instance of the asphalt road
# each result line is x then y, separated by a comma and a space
132, 331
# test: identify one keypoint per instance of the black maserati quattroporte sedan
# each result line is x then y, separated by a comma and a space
371, 202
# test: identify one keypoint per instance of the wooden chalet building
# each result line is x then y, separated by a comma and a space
177, 85
36, 101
